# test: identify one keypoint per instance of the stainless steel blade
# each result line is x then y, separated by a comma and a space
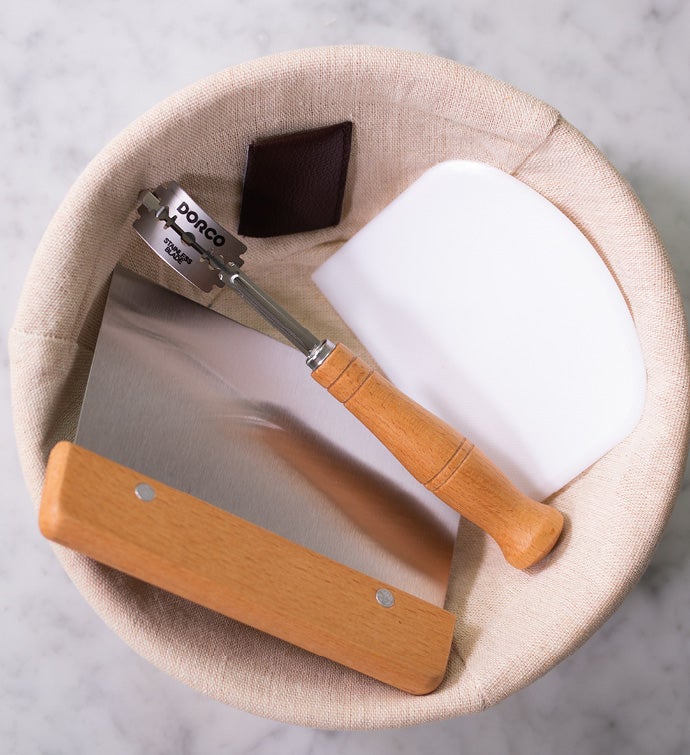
186, 235
189, 397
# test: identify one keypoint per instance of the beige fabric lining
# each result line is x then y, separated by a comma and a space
410, 111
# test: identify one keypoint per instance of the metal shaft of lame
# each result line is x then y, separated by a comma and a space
269, 309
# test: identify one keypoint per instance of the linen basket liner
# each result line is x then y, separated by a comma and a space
410, 111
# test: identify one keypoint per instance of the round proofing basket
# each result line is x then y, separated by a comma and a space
409, 111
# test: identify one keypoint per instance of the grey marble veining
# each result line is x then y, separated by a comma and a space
72, 76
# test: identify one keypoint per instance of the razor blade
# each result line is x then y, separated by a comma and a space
186, 237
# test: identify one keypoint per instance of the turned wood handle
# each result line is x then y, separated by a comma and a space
444, 461
207, 555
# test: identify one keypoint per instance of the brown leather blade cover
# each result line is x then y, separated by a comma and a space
295, 182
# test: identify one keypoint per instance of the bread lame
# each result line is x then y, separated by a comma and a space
197, 247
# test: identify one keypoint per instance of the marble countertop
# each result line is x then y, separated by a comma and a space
73, 75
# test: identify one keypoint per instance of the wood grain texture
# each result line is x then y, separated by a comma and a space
443, 460
243, 571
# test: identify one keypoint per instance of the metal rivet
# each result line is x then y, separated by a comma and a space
144, 492
385, 598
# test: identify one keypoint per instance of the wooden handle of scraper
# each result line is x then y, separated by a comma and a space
444, 461
177, 542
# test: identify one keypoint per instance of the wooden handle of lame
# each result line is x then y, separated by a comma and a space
444, 461
188, 547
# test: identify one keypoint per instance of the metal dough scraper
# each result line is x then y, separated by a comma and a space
250, 491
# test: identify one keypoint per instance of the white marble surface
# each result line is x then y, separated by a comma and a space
72, 75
